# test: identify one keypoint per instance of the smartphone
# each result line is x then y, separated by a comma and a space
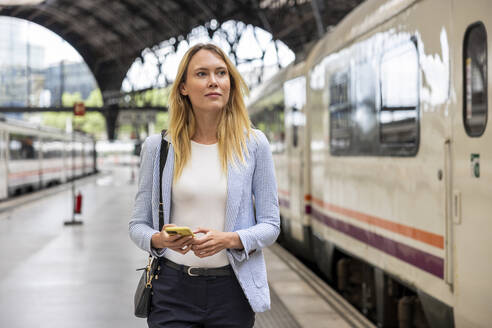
183, 231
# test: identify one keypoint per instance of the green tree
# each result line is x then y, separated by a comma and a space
69, 99
95, 99
92, 122
152, 97
95, 123
55, 119
161, 121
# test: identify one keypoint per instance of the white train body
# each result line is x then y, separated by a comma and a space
33, 158
385, 154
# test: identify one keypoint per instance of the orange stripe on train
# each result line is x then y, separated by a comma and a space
414, 233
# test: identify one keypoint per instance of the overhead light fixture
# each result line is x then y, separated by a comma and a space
20, 2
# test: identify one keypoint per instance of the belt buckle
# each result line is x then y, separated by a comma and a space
190, 273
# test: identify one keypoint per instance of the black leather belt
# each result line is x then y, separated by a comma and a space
197, 271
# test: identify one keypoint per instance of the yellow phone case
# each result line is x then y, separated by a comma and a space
184, 231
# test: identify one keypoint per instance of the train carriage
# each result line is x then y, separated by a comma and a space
32, 157
397, 178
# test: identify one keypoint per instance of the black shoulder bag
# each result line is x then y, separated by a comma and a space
143, 294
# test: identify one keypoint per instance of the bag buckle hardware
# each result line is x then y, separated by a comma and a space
192, 274
149, 276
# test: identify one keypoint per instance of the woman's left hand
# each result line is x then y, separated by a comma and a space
213, 242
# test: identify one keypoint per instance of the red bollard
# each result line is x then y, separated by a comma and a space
78, 203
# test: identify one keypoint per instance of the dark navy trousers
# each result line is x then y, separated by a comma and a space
180, 301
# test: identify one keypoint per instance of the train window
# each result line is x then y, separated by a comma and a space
475, 80
398, 118
270, 119
294, 101
68, 153
23, 147
78, 149
340, 113
364, 115
52, 148
88, 148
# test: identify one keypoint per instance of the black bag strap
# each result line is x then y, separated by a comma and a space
162, 163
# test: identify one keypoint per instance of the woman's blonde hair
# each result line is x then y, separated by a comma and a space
234, 124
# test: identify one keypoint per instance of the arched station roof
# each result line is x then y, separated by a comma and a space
110, 35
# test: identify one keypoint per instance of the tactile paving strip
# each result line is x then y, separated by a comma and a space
278, 316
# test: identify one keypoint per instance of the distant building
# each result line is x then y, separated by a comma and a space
71, 78
14, 50
21, 66
25, 81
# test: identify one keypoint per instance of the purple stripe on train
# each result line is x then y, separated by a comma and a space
283, 202
425, 261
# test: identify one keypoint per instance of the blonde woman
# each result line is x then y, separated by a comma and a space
218, 180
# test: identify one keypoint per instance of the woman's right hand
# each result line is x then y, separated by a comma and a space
178, 243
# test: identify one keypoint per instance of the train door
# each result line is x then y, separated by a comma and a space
3, 165
472, 163
295, 99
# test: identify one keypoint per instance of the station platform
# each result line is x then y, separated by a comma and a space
52, 275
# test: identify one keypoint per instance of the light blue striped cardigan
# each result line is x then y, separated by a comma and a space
254, 179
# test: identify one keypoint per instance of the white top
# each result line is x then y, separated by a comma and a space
199, 200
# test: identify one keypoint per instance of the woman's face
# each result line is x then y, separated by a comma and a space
207, 82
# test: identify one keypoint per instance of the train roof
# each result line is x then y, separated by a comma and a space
296, 70
369, 15
37, 127
268, 87
358, 22
276, 82
361, 20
